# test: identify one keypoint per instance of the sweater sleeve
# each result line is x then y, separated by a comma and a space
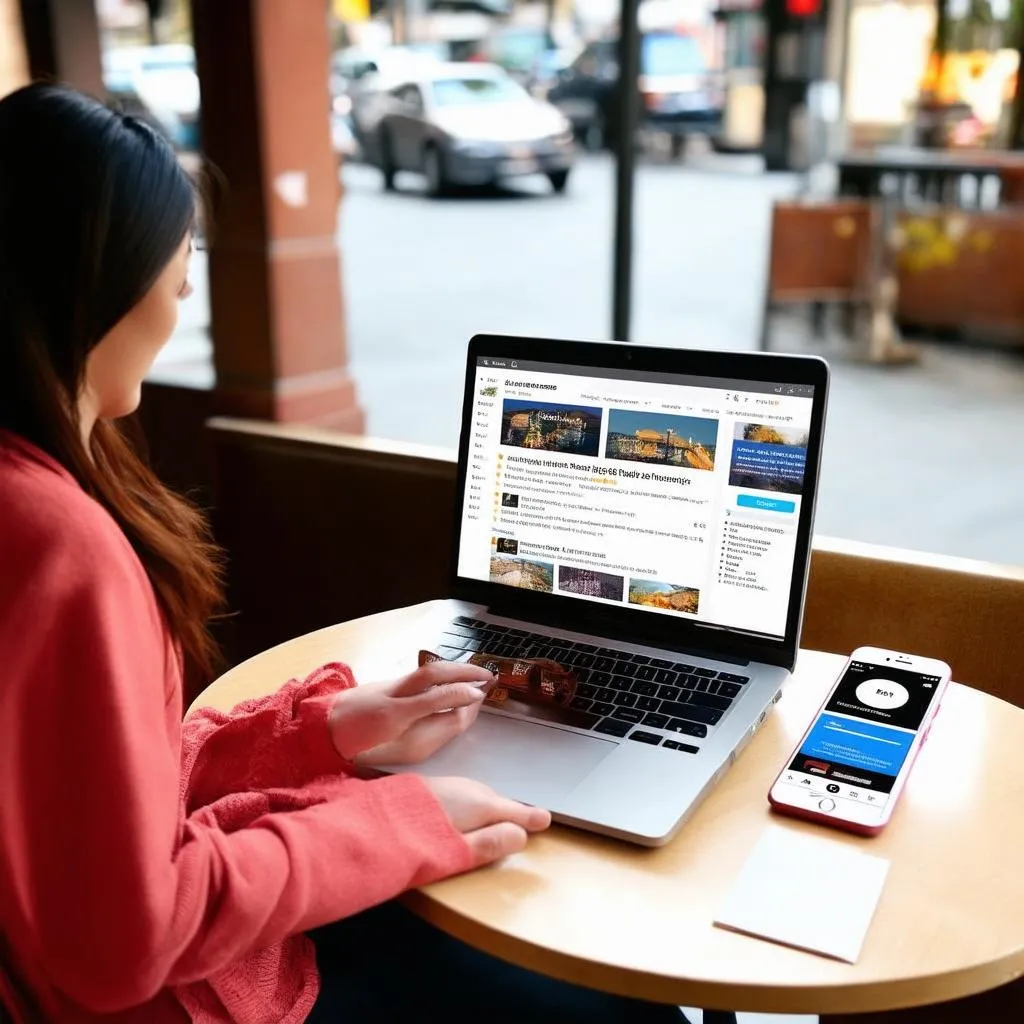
281, 739
124, 893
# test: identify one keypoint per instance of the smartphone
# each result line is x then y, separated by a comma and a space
853, 761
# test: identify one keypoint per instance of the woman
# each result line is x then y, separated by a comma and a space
150, 871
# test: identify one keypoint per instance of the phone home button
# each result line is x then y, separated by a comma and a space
827, 805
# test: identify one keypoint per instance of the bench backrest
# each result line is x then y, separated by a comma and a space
321, 527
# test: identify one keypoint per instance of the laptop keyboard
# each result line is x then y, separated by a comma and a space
617, 691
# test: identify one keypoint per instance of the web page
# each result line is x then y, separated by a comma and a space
674, 495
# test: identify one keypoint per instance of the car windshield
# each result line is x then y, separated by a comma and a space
464, 92
670, 55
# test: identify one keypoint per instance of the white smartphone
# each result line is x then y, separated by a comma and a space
851, 765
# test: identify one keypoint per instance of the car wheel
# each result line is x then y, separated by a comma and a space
433, 171
387, 161
559, 180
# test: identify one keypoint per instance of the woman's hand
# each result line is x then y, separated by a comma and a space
492, 825
408, 719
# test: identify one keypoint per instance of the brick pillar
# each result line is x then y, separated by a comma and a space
13, 58
276, 311
62, 39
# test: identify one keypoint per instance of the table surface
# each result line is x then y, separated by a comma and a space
624, 919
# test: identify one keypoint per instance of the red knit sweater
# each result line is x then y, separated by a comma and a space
149, 871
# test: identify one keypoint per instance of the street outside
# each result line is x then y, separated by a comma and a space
923, 456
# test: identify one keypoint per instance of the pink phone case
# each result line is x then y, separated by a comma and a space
833, 821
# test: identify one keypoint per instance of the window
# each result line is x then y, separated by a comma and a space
670, 55
460, 92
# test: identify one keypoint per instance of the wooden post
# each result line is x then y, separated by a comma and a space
276, 312
13, 58
62, 41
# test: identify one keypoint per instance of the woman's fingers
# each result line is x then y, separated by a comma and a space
445, 697
439, 673
493, 842
471, 805
447, 726
500, 808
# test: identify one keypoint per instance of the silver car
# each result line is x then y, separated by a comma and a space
466, 124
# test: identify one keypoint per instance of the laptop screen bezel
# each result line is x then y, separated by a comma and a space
624, 623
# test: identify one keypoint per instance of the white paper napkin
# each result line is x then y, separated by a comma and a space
804, 891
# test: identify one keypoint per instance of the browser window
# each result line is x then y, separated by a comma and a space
674, 495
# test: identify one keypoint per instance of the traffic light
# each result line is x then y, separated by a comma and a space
803, 8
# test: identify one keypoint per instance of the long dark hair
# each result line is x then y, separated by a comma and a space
93, 206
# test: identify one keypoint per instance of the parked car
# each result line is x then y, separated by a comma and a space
159, 85
354, 65
356, 71
678, 92
468, 124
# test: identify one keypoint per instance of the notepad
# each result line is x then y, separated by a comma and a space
806, 891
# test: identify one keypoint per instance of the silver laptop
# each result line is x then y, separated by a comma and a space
644, 517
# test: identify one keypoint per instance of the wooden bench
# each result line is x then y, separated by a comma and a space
322, 527
956, 271
959, 271
819, 254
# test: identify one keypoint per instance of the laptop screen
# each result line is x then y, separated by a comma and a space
669, 494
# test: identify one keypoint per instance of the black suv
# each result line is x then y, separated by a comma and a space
677, 92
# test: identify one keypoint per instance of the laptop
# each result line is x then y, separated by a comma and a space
642, 516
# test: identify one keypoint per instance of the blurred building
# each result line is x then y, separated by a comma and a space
896, 84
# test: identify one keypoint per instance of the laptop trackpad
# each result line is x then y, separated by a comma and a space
535, 763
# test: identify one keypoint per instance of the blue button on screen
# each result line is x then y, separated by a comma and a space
767, 504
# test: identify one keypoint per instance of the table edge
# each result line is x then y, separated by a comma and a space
858, 997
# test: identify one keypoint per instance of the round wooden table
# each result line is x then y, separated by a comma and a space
633, 921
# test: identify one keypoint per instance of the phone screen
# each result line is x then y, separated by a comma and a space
861, 739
